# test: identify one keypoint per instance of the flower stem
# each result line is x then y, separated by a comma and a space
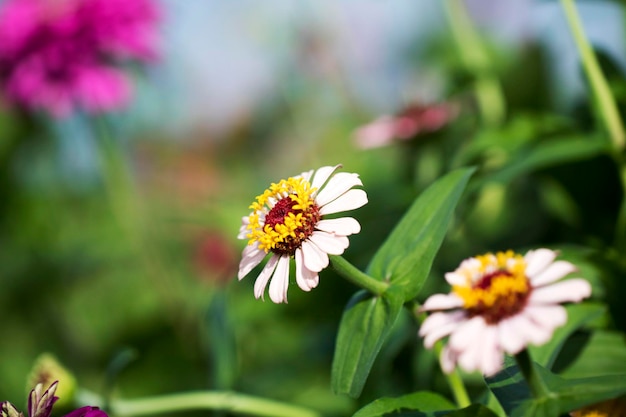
207, 400
455, 382
599, 85
537, 387
355, 276
487, 87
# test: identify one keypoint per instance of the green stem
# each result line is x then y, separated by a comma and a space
599, 85
475, 59
455, 382
537, 387
207, 400
355, 276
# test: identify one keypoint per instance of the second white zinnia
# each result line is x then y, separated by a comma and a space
500, 303
288, 221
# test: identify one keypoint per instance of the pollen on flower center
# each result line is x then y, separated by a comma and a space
284, 215
499, 288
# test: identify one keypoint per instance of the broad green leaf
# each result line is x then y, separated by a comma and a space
603, 354
424, 403
577, 315
509, 386
474, 410
571, 394
405, 258
366, 322
562, 395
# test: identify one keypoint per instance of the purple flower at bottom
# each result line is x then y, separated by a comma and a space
58, 55
87, 411
40, 404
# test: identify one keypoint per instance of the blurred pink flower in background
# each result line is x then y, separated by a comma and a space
57, 55
411, 121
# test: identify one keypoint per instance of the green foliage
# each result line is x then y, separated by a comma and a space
404, 261
423, 404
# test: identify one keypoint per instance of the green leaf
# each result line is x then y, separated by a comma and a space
366, 322
577, 316
405, 258
571, 394
424, 402
603, 354
562, 395
474, 410
547, 153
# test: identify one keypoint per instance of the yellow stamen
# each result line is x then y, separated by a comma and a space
496, 281
269, 236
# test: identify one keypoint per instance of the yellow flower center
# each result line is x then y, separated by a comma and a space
283, 216
497, 286
611, 408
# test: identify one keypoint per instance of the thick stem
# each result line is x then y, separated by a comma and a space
599, 85
202, 400
537, 387
355, 276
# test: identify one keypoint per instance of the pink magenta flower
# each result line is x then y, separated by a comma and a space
58, 55
412, 121
288, 221
499, 304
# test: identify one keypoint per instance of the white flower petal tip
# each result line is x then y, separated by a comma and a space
500, 303
288, 221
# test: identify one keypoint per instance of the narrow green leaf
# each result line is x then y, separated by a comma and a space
405, 258
366, 322
577, 316
550, 152
424, 402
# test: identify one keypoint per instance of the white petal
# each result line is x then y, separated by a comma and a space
280, 281
251, 257
549, 317
529, 330
554, 272
537, 260
264, 276
351, 200
315, 259
467, 334
470, 346
329, 243
491, 354
243, 230
509, 338
439, 319
433, 333
454, 278
448, 360
344, 226
306, 175
322, 174
571, 290
305, 278
442, 302
338, 185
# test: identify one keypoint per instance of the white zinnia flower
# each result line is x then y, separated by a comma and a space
499, 304
288, 221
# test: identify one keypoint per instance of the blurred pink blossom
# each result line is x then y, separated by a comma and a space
57, 55
413, 120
